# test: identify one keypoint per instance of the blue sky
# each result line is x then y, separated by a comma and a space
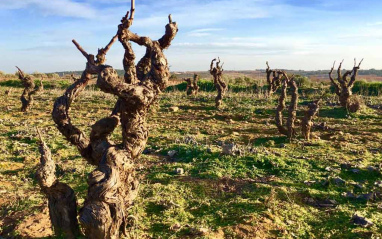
294, 34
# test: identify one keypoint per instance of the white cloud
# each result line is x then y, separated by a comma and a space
260, 45
375, 24
194, 13
66, 8
203, 32
361, 34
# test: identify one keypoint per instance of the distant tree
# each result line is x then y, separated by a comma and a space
302, 81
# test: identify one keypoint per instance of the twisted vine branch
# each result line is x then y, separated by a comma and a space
29, 90
220, 85
342, 84
274, 82
289, 130
113, 185
61, 197
307, 122
192, 85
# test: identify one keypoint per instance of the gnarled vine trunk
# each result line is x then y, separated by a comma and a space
62, 202
343, 85
220, 85
189, 88
292, 108
113, 185
195, 84
280, 108
41, 87
29, 90
192, 85
289, 130
307, 122
275, 82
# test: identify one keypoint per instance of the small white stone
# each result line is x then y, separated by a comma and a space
179, 171
174, 108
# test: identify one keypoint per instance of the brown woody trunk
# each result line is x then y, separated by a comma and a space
220, 85
195, 84
62, 201
41, 87
289, 130
189, 89
280, 109
307, 122
343, 85
29, 90
273, 80
113, 185
292, 108
192, 85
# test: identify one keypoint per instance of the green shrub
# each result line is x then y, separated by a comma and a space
367, 88
38, 74
302, 81
173, 77
204, 85
60, 84
11, 83
52, 75
363, 87
208, 86
243, 80
9, 76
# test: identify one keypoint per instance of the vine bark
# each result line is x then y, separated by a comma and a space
192, 85
273, 79
217, 72
343, 85
307, 121
62, 202
289, 130
113, 185
29, 90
